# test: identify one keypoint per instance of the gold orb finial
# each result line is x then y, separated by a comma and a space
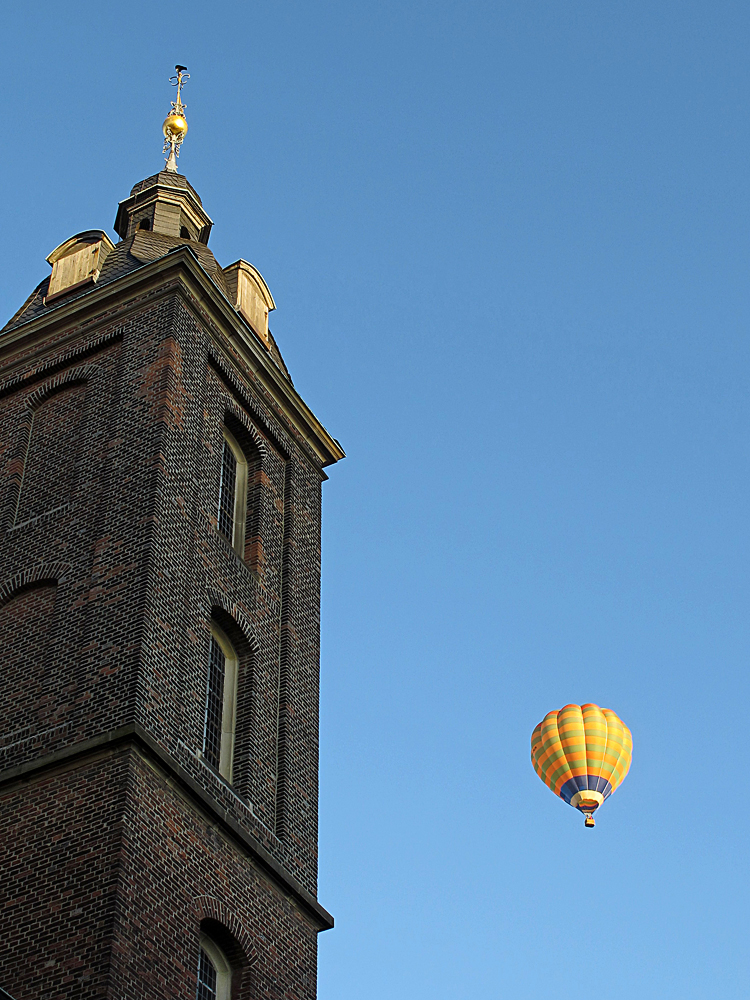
175, 124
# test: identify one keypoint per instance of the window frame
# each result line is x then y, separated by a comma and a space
220, 964
239, 506
229, 701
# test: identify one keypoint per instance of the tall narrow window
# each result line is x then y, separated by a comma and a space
206, 978
214, 972
233, 493
221, 703
227, 491
214, 703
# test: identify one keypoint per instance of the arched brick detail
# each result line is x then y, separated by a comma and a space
210, 907
280, 441
45, 572
252, 431
59, 361
82, 373
219, 600
15, 465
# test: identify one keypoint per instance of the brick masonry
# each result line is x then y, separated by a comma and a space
118, 841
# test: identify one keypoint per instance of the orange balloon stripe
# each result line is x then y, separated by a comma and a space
573, 739
618, 748
625, 750
552, 762
595, 725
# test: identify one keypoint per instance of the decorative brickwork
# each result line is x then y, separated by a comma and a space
119, 839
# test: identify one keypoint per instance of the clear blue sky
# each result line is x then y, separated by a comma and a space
509, 244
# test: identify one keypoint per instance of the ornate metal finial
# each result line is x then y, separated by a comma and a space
175, 124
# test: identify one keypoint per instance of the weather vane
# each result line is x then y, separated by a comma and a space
175, 124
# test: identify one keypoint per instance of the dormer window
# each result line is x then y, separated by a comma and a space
77, 262
250, 295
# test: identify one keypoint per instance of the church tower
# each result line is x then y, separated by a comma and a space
160, 513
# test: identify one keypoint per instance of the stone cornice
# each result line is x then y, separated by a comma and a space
108, 302
134, 735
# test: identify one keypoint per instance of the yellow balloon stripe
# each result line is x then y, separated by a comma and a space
595, 724
622, 747
551, 759
615, 748
556, 763
611, 752
573, 740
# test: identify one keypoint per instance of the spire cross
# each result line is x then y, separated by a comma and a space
175, 124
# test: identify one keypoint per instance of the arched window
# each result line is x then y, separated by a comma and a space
50, 471
144, 224
184, 233
214, 972
221, 703
233, 493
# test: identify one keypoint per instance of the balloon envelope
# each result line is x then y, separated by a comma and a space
582, 753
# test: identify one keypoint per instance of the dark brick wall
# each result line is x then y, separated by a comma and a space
109, 874
111, 570
60, 862
28, 696
58, 544
178, 867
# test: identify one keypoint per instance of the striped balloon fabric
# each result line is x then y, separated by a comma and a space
582, 753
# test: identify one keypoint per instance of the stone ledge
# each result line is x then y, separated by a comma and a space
135, 734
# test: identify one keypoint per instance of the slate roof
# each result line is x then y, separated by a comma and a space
142, 248
169, 178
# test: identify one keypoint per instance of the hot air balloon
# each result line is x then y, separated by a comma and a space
582, 753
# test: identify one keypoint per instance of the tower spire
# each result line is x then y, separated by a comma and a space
175, 124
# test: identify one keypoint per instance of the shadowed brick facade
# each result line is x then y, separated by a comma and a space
119, 844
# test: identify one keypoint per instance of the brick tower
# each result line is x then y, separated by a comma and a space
159, 616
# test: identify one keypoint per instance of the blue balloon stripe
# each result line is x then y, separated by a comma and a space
581, 784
